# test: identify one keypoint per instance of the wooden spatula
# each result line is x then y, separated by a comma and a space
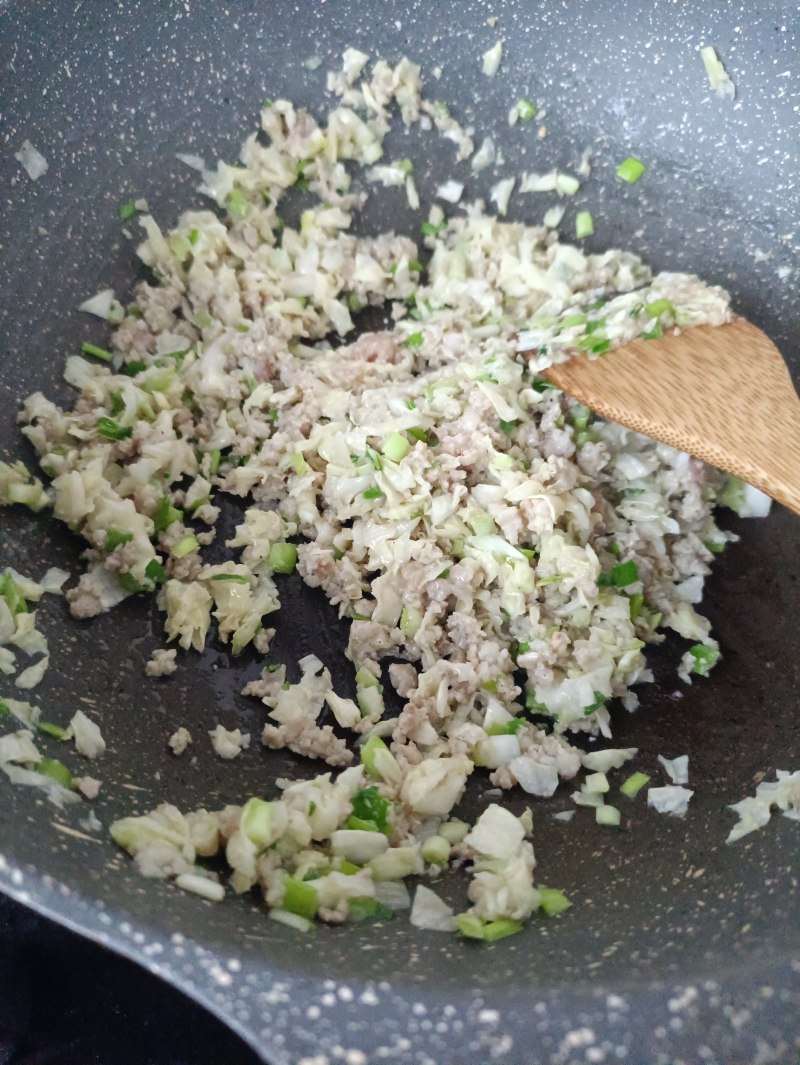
721, 393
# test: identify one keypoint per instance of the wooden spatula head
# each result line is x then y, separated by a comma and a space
723, 394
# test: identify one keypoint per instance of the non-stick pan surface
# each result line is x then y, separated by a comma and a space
678, 947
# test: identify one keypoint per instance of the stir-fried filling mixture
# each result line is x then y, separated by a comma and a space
504, 555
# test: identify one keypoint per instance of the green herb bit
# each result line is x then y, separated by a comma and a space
131, 369
368, 909
417, 432
372, 493
705, 658
580, 416
194, 236
716, 547
414, 341
659, 307
415, 266
396, 447
508, 426
634, 784
126, 210
165, 515
656, 333
526, 111
636, 603
552, 901
237, 578
472, 927
620, 576
630, 170
236, 204
584, 224
52, 730
282, 558
115, 537
600, 700
51, 767
508, 728
155, 571
4, 711
429, 229
300, 897
370, 805
99, 353
187, 546
594, 344
113, 430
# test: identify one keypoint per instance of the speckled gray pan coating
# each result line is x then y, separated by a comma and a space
678, 948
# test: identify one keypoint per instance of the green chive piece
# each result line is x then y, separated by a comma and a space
396, 447
716, 547
418, 433
165, 514
636, 602
431, 230
359, 824
541, 384
282, 558
368, 909
99, 353
155, 571
526, 111
112, 430
126, 210
630, 170
580, 416
52, 730
508, 728
185, 547
213, 465
115, 537
600, 700
656, 333
620, 576
659, 307
236, 204
369, 804
595, 344
705, 658
131, 369
4, 711
372, 493
300, 897
51, 767
634, 784
472, 927
584, 224
237, 578
194, 236
510, 426
414, 341
552, 901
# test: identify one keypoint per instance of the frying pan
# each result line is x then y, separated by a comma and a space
678, 948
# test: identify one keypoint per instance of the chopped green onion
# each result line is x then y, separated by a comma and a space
282, 558
597, 784
608, 816
472, 927
126, 210
213, 465
300, 897
359, 824
552, 901
165, 515
620, 576
4, 711
526, 111
584, 224
482, 523
257, 823
112, 430
99, 353
659, 307
132, 368
115, 537
236, 204
194, 236
369, 804
580, 416
154, 571
52, 730
595, 344
301, 182
636, 602
415, 266
656, 333
716, 547
599, 701
373, 752
368, 909
431, 230
415, 340
56, 770
435, 850
634, 784
508, 728
396, 447
418, 434
185, 547
541, 384
508, 427
372, 493
705, 658
630, 170
236, 577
